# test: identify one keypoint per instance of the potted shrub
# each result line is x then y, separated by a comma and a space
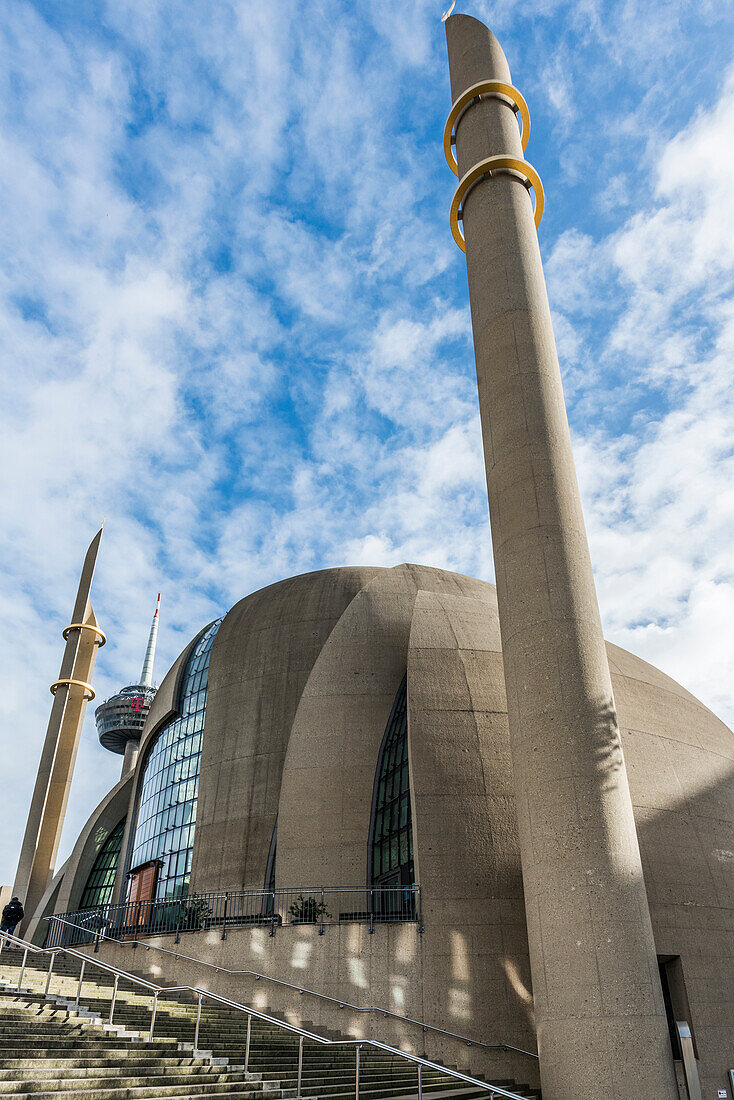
307, 910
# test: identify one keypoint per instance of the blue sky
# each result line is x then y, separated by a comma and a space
233, 320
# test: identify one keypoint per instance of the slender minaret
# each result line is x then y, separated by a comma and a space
600, 1017
121, 718
71, 692
146, 676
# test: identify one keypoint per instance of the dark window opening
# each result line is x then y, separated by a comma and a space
677, 1008
391, 831
269, 899
670, 1015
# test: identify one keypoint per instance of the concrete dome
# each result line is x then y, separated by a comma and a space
302, 679
305, 671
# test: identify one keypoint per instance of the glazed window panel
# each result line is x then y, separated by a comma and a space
391, 858
170, 784
101, 881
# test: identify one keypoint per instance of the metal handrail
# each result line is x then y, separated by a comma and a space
6, 937
302, 989
374, 905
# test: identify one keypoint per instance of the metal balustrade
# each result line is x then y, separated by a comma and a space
321, 906
6, 939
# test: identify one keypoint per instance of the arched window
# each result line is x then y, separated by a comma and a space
269, 889
101, 881
270, 869
391, 830
170, 785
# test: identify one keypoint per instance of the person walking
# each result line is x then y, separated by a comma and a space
12, 916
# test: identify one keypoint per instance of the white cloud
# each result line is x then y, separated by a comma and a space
660, 502
226, 257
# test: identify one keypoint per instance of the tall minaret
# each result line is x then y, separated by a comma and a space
120, 719
601, 1021
146, 676
71, 692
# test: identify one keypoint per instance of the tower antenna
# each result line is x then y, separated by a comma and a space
146, 676
120, 719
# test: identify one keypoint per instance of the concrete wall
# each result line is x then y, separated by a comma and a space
329, 773
386, 969
680, 763
443, 628
465, 829
261, 660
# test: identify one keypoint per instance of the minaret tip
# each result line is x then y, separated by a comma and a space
474, 53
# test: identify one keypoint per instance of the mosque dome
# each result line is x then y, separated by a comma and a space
347, 730
302, 678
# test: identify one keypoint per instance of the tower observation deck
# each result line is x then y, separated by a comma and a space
120, 719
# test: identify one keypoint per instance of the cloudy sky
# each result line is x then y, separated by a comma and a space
233, 320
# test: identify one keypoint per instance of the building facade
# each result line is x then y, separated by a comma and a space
346, 731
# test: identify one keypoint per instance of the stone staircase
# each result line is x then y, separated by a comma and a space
49, 1048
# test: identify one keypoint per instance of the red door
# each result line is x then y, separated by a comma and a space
143, 883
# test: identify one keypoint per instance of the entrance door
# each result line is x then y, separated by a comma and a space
141, 896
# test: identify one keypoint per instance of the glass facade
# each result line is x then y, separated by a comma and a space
98, 890
391, 858
170, 784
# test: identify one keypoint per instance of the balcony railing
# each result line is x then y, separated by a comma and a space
321, 906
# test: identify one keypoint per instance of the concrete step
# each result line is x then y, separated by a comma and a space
451, 1094
107, 1047
132, 1094
200, 1075
47, 1048
345, 1070
373, 1089
137, 1092
10, 1067
127, 1070
71, 1030
460, 1094
74, 1034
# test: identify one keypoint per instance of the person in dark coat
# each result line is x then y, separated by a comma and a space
12, 916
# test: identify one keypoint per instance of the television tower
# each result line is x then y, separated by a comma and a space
598, 1001
120, 719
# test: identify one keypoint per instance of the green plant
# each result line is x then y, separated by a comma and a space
308, 911
194, 914
182, 915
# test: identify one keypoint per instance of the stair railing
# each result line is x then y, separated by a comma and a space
494, 1091
6, 939
301, 990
